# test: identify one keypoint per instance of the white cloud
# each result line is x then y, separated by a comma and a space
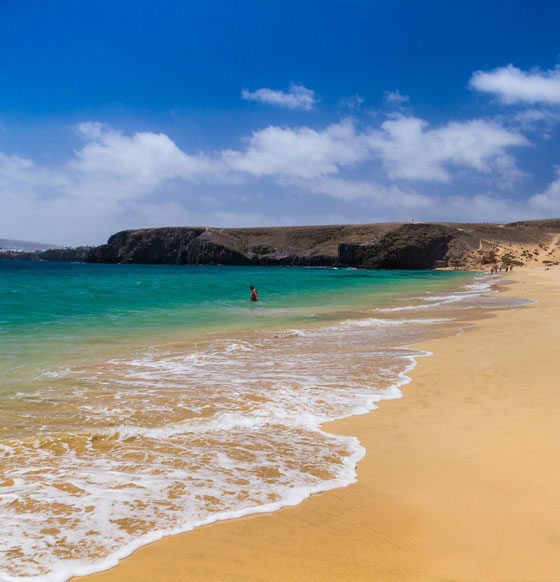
122, 166
353, 103
116, 181
512, 85
111, 183
298, 97
299, 152
384, 196
406, 146
409, 149
21, 179
538, 119
548, 202
395, 97
14, 168
481, 208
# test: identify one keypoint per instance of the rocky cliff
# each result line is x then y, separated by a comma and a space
77, 255
301, 246
410, 246
370, 246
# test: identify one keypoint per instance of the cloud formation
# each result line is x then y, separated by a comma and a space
512, 85
298, 97
129, 166
548, 201
395, 97
406, 146
384, 196
538, 119
411, 150
353, 103
116, 181
299, 152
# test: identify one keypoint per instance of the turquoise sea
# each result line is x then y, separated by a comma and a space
60, 311
75, 297
144, 400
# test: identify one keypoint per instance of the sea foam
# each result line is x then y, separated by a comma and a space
126, 450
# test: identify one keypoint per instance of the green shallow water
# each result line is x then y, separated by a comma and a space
54, 313
137, 400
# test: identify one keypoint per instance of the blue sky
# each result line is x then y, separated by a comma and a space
129, 114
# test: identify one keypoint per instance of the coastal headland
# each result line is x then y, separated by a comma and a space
460, 480
393, 245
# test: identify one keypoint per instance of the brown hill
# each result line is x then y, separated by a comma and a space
381, 245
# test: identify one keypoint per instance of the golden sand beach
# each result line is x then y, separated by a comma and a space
461, 480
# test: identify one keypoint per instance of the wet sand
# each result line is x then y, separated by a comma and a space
461, 480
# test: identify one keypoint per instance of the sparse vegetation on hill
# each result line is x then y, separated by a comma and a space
509, 260
382, 245
387, 245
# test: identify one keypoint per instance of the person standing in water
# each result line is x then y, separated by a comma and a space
254, 295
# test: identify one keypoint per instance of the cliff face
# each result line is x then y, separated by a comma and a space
164, 245
301, 246
369, 246
411, 246
77, 255
177, 246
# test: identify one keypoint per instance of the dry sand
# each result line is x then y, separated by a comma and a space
461, 480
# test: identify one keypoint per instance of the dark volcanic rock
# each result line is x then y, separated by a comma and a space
352, 254
205, 252
194, 246
162, 245
77, 255
171, 246
411, 246
263, 249
372, 246
27, 256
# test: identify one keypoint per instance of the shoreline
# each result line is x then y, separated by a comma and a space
420, 510
330, 370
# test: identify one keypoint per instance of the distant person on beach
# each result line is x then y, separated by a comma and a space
254, 295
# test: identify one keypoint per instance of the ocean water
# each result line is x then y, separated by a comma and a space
139, 401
